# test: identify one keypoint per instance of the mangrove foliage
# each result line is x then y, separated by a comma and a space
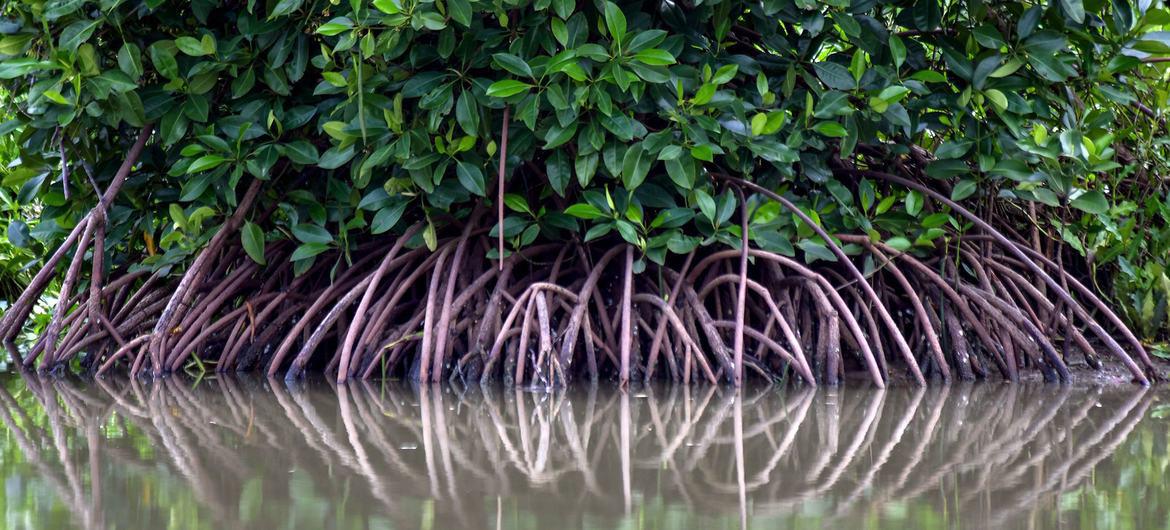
549, 190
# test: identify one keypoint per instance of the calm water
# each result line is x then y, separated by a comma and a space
249, 454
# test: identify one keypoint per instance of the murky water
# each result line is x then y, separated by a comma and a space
247, 454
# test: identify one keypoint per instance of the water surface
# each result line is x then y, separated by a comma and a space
246, 453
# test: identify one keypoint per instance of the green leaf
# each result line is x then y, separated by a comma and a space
927, 14
914, 203
584, 211
997, 98
467, 113
308, 250
1091, 201
335, 26
460, 11
559, 172
963, 189
672, 218
430, 237
944, 169
953, 149
59, 8
1006, 69
815, 250
564, 8
893, 94
680, 244
706, 204
670, 152
387, 217
512, 64
76, 33
517, 203
899, 243
205, 163
628, 232
55, 96
507, 87
759, 121
335, 79
432, 21
989, 36
284, 7
635, 167
585, 167
178, 216
209, 44
597, 231
831, 129
655, 57
681, 171
13, 68
556, 135
615, 21
560, 31
929, 76
18, 233
130, 60
253, 241
703, 152
334, 158
311, 233
190, 46
390, 7
833, 103
935, 220
1075, 9
119, 81
164, 61
725, 73
301, 152
897, 51
704, 94
835, 76
556, 97
471, 177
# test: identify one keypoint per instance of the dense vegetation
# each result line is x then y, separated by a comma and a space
546, 189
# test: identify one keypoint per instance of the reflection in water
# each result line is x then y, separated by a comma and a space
243, 453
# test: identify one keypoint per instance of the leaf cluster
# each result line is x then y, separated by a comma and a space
368, 116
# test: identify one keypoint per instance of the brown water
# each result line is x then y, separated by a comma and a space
249, 454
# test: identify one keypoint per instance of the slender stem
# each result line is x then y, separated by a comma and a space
627, 323
741, 298
500, 186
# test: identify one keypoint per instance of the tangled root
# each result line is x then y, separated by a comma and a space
980, 305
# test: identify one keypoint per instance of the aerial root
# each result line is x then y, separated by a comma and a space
550, 313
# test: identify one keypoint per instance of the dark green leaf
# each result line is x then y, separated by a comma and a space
584, 211
471, 177
387, 218
253, 241
308, 250
311, 233
835, 76
559, 172
205, 163
615, 21
513, 64
507, 87
1091, 201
